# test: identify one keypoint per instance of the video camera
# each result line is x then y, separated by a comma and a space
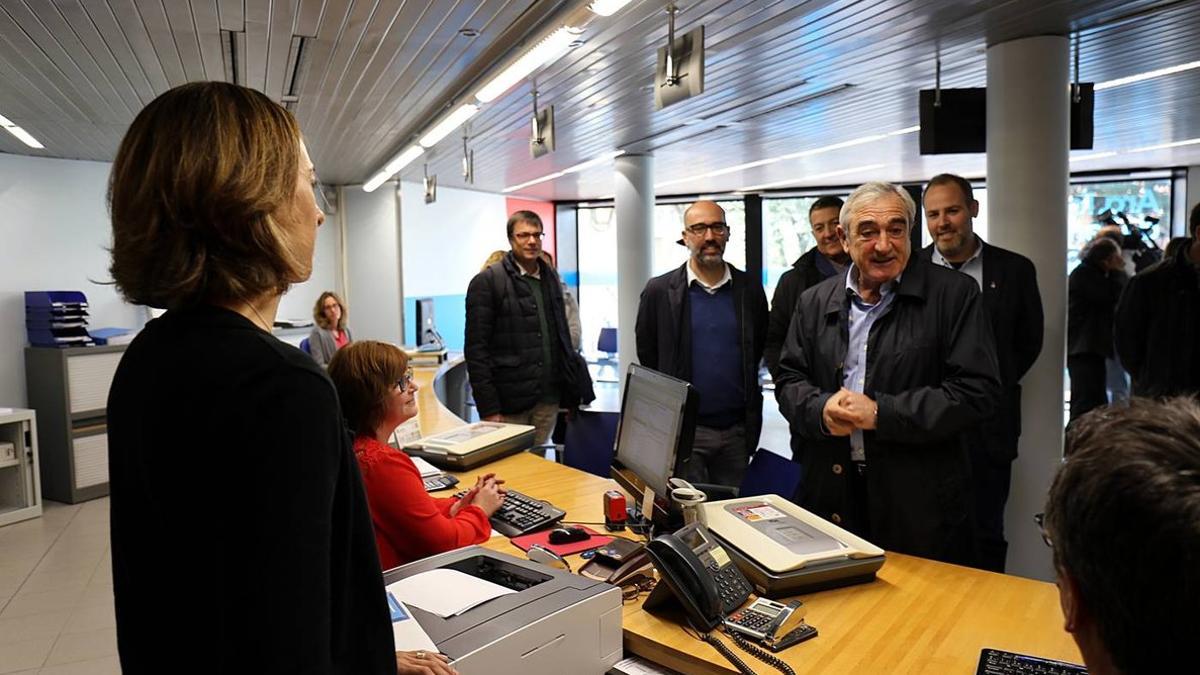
1137, 239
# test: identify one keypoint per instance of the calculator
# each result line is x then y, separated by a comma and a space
439, 482
757, 620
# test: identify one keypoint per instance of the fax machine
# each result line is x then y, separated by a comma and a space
555, 623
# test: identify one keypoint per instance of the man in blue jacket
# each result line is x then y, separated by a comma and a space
706, 322
882, 371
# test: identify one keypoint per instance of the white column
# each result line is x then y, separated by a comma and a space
634, 201
1028, 137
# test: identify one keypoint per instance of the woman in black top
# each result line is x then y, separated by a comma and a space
241, 539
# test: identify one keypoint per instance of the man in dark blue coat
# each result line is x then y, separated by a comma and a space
1008, 282
882, 371
705, 322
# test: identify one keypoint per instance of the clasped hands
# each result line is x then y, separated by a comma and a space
846, 411
487, 493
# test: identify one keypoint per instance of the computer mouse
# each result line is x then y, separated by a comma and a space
567, 535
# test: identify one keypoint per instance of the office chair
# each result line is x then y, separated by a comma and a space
304, 347
608, 345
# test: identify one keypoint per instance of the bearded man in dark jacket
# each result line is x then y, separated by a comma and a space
882, 371
520, 360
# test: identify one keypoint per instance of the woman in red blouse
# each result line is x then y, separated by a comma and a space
377, 394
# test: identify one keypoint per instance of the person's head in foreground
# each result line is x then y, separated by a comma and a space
212, 202
1123, 518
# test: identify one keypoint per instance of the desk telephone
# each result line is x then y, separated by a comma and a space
700, 575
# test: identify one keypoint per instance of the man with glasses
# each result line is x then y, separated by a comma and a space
822, 261
520, 360
706, 322
1008, 282
1123, 518
882, 371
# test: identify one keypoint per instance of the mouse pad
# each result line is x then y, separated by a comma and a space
523, 542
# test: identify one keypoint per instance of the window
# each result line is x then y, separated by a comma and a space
1141, 201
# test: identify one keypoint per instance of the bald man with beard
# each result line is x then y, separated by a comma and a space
706, 322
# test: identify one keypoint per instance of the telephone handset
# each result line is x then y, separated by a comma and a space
700, 574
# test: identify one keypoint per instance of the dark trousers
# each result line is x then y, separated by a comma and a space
1089, 380
991, 473
719, 456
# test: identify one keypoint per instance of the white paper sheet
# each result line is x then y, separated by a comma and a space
445, 592
425, 468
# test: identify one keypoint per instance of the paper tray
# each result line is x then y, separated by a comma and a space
817, 577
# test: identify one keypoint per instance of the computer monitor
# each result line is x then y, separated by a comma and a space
654, 435
426, 329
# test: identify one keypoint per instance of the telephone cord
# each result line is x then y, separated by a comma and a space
766, 657
725, 651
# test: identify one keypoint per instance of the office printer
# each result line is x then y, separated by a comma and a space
556, 623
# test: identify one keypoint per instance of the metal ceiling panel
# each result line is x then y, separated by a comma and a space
783, 76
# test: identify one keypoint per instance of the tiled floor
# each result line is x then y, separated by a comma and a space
56, 602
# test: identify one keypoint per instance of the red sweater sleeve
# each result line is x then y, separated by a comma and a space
411, 522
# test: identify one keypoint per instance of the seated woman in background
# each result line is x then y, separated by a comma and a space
330, 333
378, 394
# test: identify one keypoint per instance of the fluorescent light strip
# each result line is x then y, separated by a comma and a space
795, 155
573, 169
555, 45
607, 7
1164, 146
828, 174
22, 135
398, 162
1147, 76
452, 122
1093, 155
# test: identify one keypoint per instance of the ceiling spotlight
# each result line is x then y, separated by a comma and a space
468, 32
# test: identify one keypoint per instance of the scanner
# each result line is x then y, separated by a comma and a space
785, 550
555, 623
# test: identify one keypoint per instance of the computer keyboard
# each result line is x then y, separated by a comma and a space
996, 662
521, 514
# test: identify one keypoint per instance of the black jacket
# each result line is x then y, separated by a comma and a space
1014, 310
504, 343
238, 514
931, 369
809, 270
664, 338
1092, 295
1158, 328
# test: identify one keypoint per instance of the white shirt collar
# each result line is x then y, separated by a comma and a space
940, 259
536, 275
691, 276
